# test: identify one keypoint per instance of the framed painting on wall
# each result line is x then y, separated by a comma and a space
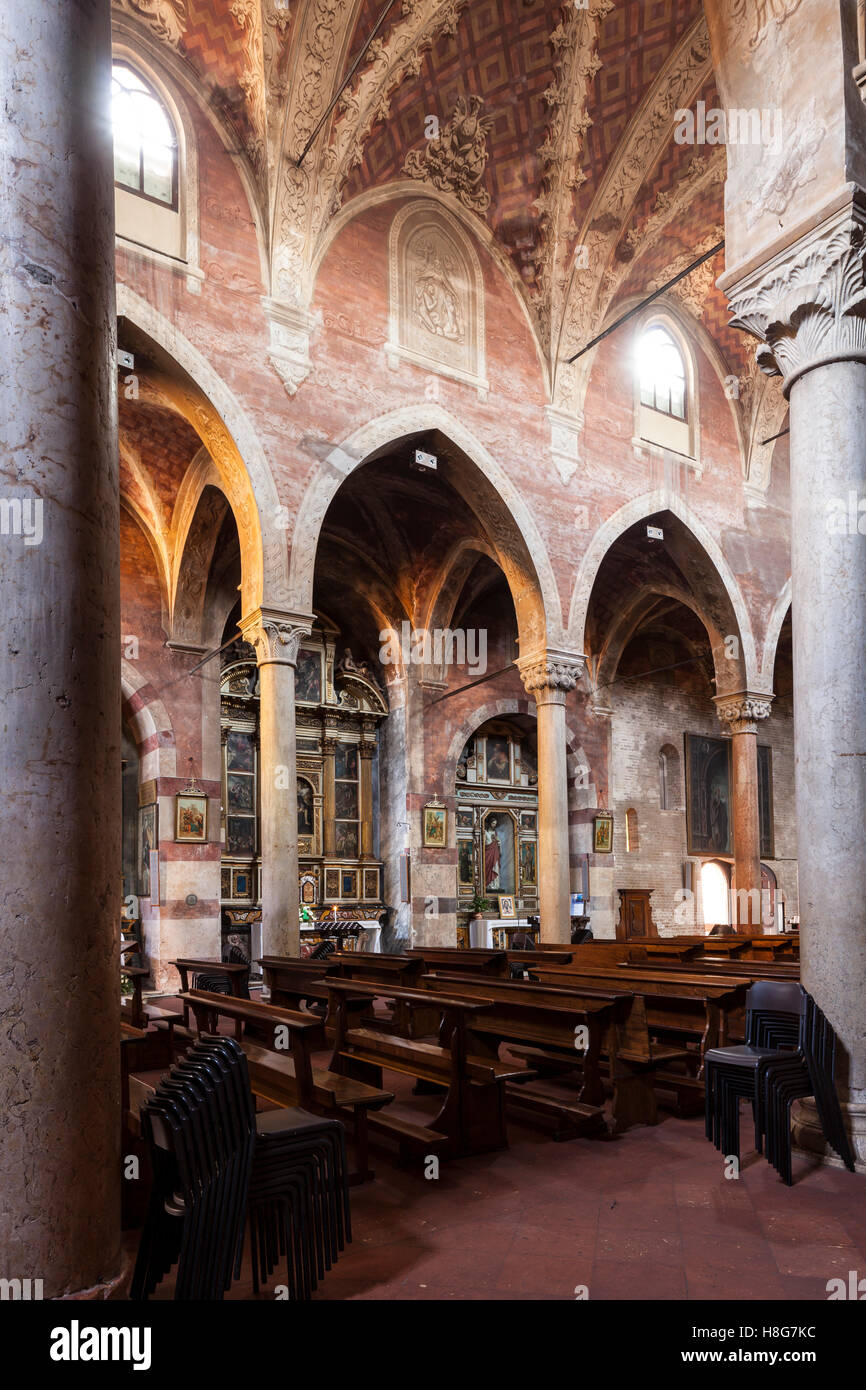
371, 883
708, 795
435, 825
148, 841
528, 863
466, 862
332, 883
602, 833
190, 817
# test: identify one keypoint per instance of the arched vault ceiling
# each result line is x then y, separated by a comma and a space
575, 151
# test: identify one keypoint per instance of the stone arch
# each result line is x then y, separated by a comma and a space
228, 434
648, 505
771, 640
149, 722
519, 547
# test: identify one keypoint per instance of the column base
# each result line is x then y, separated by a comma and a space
808, 1136
114, 1290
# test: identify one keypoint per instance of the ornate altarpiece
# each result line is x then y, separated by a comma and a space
338, 708
497, 820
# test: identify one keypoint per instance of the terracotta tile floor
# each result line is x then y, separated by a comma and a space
649, 1215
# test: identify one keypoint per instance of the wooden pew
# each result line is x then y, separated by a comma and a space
472, 1114
679, 1005
544, 1020
236, 976
481, 960
292, 1079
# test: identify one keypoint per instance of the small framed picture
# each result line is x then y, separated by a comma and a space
190, 817
506, 905
602, 833
435, 826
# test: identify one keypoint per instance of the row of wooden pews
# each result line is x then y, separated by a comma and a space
616, 1020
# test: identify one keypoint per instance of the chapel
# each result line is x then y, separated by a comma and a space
434, 592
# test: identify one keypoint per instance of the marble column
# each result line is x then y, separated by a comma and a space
60, 814
548, 677
741, 713
808, 306
276, 637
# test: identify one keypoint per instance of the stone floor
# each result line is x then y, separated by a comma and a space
649, 1215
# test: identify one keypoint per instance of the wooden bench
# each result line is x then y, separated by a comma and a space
288, 1078
543, 1019
480, 960
679, 1006
472, 1115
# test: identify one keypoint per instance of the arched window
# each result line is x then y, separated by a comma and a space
631, 832
662, 373
715, 885
666, 389
669, 777
145, 142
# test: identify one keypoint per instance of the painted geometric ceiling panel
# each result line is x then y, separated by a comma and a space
502, 52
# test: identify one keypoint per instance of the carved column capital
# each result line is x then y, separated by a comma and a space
276, 636
807, 304
743, 712
367, 750
550, 675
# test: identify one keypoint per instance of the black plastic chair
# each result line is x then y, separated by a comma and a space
789, 1053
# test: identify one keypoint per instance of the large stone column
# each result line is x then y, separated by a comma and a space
741, 714
808, 305
276, 637
60, 814
548, 677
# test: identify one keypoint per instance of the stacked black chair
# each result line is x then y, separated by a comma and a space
200, 1130
789, 1053
298, 1199
215, 1163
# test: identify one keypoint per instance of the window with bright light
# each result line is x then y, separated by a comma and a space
715, 883
662, 373
145, 144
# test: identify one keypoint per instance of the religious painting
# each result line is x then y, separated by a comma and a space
240, 834
602, 833
347, 839
435, 826
506, 905
346, 800
190, 817
348, 884
225, 883
240, 793
709, 821
308, 677
332, 883
346, 761
498, 852
240, 753
527, 820
306, 814
498, 760
371, 883
466, 862
147, 841
308, 888
405, 878
528, 863
465, 820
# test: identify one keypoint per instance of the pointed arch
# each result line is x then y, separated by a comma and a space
661, 500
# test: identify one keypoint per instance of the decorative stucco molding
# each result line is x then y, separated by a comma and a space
166, 18
457, 159
291, 328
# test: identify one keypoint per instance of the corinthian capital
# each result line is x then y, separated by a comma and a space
548, 673
276, 636
807, 304
743, 712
